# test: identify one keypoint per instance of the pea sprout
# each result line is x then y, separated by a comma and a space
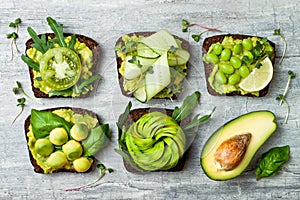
185, 25
277, 32
282, 97
21, 102
19, 89
103, 171
14, 35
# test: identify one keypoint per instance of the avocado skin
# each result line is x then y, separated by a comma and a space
216, 176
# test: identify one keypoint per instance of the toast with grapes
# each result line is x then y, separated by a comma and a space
238, 64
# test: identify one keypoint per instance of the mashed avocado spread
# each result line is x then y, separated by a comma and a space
86, 59
42, 160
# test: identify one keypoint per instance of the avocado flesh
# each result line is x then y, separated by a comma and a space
261, 125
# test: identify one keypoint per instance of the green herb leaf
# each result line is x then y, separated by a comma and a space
196, 37
31, 63
196, 121
72, 42
123, 118
97, 140
88, 82
272, 161
58, 31
278, 32
42, 122
38, 43
189, 103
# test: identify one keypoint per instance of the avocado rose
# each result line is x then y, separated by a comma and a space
155, 142
155, 139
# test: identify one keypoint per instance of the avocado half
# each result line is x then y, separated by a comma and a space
261, 124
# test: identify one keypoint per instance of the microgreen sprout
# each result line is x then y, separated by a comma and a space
19, 89
277, 32
21, 102
185, 25
103, 171
14, 35
282, 97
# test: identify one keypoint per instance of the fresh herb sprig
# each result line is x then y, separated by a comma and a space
19, 89
103, 171
14, 35
282, 97
185, 25
278, 32
21, 102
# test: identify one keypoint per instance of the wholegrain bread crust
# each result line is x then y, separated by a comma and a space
36, 167
185, 45
209, 67
90, 43
136, 114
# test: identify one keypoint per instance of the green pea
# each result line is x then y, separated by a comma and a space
236, 62
237, 48
212, 58
247, 44
226, 54
244, 71
234, 79
217, 49
220, 77
226, 68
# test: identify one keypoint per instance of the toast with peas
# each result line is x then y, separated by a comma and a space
248, 59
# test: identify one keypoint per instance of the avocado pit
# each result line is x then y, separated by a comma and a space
231, 152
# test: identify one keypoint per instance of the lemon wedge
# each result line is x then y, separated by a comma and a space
259, 78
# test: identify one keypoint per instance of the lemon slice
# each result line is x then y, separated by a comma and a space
259, 78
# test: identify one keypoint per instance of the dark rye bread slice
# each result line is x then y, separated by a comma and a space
209, 67
90, 43
184, 45
36, 167
136, 114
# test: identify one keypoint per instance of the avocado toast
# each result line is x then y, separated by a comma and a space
229, 59
61, 64
155, 139
151, 64
64, 139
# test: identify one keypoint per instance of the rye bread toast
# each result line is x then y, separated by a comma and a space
185, 45
136, 114
209, 67
36, 167
90, 43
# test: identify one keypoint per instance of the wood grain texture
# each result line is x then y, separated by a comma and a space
105, 21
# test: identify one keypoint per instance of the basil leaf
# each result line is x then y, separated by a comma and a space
189, 103
97, 139
43, 122
272, 161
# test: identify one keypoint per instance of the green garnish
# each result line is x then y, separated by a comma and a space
278, 32
14, 35
282, 97
21, 102
103, 171
272, 161
185, 25
19, 89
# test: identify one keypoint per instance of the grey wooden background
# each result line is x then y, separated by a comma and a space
105, 21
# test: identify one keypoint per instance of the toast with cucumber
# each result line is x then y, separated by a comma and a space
64, 139
152, 64
238, 64
61, 64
